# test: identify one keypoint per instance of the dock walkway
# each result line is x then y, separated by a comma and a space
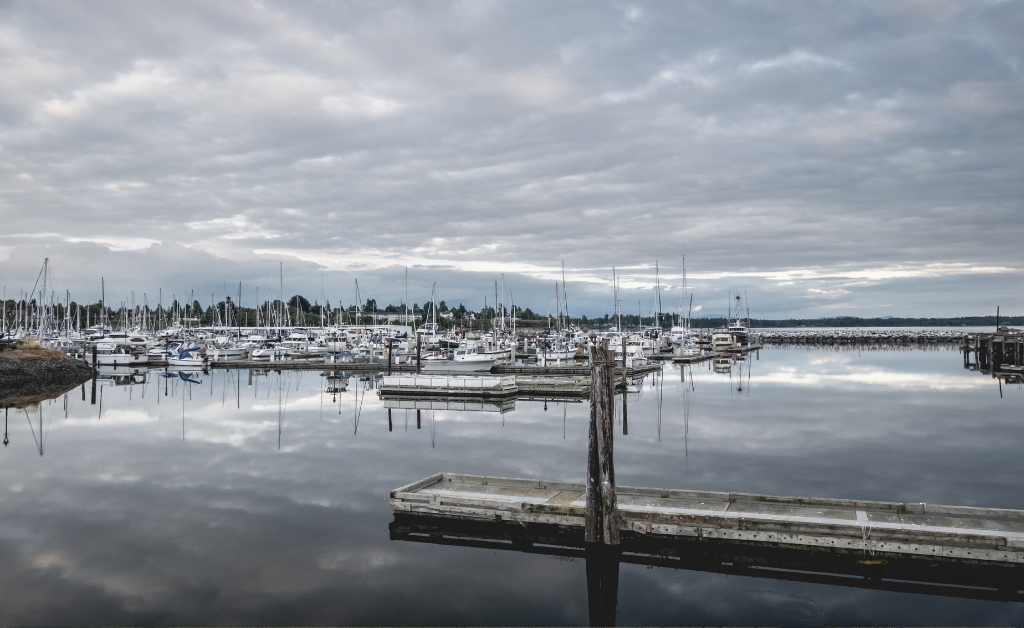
899, 529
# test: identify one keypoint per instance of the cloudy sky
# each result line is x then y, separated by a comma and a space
826, 158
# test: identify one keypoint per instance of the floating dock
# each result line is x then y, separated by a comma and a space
502, 405
869, 527
449, 386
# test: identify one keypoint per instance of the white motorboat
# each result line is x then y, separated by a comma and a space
111, 354
721, 339
461, 360
229, 351
269, 352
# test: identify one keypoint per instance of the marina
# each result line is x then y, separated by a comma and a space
211, 426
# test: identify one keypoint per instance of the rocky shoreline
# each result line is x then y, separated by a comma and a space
32, 372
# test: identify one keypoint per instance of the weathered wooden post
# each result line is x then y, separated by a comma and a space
625, 390
602, 515
418, 336
391, 347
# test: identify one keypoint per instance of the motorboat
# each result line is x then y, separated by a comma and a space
721, 338
186, 357
114, 354
461, 360
227, 351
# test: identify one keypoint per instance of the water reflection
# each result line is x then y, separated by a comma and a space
909, 575
261, 497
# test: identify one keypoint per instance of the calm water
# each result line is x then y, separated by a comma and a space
229, 502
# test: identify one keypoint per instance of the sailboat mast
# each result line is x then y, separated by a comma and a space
564, 297
657, 295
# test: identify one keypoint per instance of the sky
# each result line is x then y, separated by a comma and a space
824, 158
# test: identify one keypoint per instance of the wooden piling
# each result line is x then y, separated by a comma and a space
94, 373
625, 391
602, 515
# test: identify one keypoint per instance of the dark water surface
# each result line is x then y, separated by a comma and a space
225, 502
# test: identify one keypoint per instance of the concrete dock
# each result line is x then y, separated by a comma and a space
956, 533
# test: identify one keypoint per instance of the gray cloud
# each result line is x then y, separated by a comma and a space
770, 144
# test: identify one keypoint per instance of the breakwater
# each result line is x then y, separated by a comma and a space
855, 336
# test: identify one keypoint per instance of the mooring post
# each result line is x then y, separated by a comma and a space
625, 390
391, 346
602, 514
418, 336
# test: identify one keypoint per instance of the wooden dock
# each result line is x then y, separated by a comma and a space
410, 367
743, 348
695, 359
956, 533
314, 364
999, 354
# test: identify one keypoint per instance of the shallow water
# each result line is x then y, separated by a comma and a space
225, 501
